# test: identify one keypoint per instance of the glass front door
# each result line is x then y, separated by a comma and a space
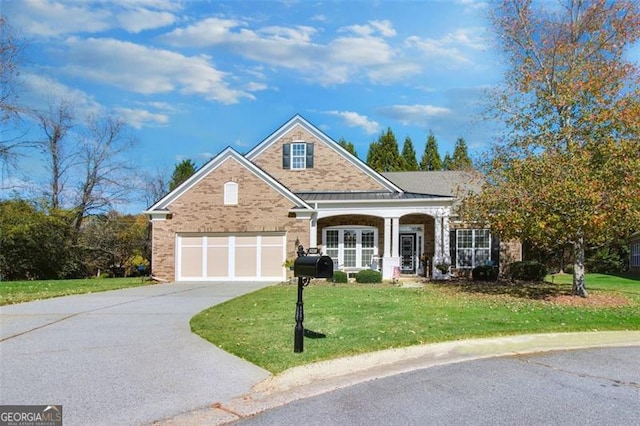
407, 253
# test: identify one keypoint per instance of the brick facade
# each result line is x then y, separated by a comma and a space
260, 208
330, 172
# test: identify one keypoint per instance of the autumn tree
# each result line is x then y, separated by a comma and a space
348, 146
461, 159
409, 155
383, 155
182, 171
568, 171
431, 158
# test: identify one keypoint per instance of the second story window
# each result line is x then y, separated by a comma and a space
297, 155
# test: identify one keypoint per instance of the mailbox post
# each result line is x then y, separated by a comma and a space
305, 268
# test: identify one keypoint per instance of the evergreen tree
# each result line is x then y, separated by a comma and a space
447, 163
431, 158
348, 146
461, 160
409, 155
182, 172
383, 155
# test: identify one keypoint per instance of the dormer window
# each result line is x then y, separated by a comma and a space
230, 194
297, 156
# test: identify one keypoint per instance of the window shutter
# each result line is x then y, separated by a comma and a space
453, 249
309, 159
286, 156
495, 250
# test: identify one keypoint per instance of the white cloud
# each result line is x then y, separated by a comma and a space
353, 119
336, 61
41, 90
139, 20
147, 70
138, 118
414, 114
452, 50
48, 18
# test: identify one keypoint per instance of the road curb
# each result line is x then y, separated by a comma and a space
325, 376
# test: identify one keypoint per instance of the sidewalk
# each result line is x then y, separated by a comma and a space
314, 379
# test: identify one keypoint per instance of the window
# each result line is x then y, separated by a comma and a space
230, 193
350, 247
297, 156
634, 261
473, 247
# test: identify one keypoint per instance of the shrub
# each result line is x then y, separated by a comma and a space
527, 271
368, 276
340, 277
485, 273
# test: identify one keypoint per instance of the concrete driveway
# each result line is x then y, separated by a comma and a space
120, 357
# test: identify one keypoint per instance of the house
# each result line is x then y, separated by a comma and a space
634, 253
240, 217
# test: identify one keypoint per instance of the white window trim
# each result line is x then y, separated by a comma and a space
292, 157
339, 262
230, 193
473, 247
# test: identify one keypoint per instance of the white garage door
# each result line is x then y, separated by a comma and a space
229, 257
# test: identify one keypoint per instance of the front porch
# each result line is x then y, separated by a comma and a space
406, 245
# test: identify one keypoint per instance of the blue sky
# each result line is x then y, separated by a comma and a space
192, 77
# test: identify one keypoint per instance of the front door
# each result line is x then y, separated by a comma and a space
407, 253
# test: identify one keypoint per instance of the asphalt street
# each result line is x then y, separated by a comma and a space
580, 387
120, 357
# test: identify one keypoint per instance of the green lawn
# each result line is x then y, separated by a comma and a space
358, 318
25, 291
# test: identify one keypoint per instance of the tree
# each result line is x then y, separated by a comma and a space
460, 160
348, 146
116, 243
35, 245
56, 123
447, 163
183, 171
409, 155
431, 158
10, 54
568, 171
383, 155
105, 170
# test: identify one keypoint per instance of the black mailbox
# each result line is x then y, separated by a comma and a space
313, 267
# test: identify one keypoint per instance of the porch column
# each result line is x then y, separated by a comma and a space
313, 231
395, 237
437, 236
441, 236
387, 237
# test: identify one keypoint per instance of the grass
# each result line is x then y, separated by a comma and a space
26, 291
358, 318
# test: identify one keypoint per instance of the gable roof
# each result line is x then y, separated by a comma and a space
450, 183
163, 204
298, 120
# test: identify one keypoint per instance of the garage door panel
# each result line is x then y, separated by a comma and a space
271, 261
246, 262
219, 257
191, 261
218, 261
